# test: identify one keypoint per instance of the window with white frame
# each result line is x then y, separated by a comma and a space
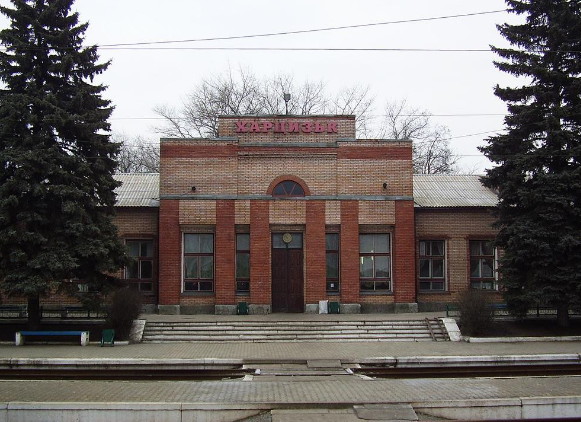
375, 262
432, 265
482, 265
198, 262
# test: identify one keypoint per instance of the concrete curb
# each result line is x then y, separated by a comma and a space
520, 339
509, 408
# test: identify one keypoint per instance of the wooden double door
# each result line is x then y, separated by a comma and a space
287, 272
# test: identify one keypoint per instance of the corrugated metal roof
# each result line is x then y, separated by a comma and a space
432, 190
138, 190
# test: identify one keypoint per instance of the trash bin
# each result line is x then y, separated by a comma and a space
323, 306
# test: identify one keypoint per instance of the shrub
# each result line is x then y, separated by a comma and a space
475, 312
125, 308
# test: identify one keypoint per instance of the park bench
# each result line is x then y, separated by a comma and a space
20, 335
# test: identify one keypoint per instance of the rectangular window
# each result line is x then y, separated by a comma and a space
432, 265
375, 262
482, 265
243, 263
332, 255
198, 262
139, 272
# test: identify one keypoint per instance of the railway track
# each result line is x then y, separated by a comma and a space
180, 370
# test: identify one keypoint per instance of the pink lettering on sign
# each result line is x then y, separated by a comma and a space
240, 127
286, 127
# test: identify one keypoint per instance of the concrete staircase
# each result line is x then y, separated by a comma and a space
285, 331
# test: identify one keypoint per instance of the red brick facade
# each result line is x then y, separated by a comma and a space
228, 184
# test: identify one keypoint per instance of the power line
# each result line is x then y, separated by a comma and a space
304, 31
331, 49
377, 115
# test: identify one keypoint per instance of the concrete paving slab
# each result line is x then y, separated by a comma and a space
386, 412
314, 415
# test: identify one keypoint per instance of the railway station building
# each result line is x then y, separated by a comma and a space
290, 213
283, 212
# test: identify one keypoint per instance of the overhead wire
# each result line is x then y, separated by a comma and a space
303, 31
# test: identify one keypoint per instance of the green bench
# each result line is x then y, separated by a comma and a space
21, 335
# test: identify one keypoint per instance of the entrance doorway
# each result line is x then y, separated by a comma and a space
287, 272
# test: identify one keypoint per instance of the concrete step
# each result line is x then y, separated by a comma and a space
410, 330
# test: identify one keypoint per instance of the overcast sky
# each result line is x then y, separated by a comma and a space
457, 84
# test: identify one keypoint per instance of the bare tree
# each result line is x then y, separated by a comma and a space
243, 93
137, 155
431, 150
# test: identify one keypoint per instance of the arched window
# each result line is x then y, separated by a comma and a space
288, 188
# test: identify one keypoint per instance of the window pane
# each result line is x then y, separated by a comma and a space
146, 269
191, 264
366, 267
383, 285
242, 265
486, 285
367, 285
332, 265
437, 285
206, 243
366, 243
381, 243
332, 241
437, 248
438, 268
206, 267
192, 243
296, 241
147, 249
332, 286
243, 286
423, 248
277, 242
133, 248
486, 267
278, 189
131, 271
243, 242
475, 248
424, 268
475, 268
487, 248
425, 285
205, 286
381, 267
191, 286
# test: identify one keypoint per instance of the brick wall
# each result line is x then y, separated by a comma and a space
260, 250
170, 249
456, 226
225, 253
404, 285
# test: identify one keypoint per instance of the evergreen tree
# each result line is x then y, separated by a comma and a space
56, 184
538, 172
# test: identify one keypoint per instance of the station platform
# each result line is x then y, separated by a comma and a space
338, 397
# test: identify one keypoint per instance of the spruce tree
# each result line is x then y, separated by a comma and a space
56, 184
537, 170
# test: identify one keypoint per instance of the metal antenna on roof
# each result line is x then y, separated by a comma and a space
287, 98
